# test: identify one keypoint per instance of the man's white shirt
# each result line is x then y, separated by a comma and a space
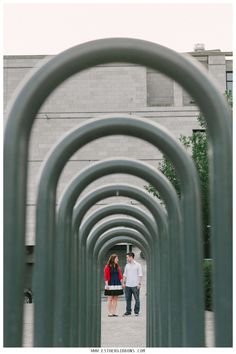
132, 272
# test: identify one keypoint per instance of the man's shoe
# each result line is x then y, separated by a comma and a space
127, 314
136, 314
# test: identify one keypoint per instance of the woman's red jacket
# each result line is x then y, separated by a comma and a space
107, 273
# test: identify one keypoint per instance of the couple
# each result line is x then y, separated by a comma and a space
115, 283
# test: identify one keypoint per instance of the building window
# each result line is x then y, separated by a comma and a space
229, 81
187, 99
160, 89
199, 131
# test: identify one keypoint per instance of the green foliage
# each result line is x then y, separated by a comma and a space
229, 97
167, 168
197, 145
201, 121
207, 271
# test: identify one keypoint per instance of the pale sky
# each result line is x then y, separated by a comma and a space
51, 28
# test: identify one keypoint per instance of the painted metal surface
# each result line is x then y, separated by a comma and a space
110, 238
93, 242
175, 247
159, 215
21, 115
45, 221
142, 216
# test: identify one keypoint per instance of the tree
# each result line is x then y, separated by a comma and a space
197, 145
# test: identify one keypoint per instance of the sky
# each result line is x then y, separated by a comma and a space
43, 28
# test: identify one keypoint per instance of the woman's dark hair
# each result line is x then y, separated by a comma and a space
111, 260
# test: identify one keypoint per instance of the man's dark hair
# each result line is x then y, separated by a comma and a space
131, 254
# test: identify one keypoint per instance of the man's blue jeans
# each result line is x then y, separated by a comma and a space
128, 296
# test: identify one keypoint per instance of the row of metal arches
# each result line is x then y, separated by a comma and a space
64, 233
96, 196
177, 232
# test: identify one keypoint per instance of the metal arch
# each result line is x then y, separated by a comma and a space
127, 191
170, 198
130, 236
93, 238
119, 208
45, 219
104, 249
110, 234
92, 242
45, 215
63, 334
22, 114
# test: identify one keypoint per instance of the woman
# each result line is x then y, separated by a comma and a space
113, 284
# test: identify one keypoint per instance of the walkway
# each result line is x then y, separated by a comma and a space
120, 331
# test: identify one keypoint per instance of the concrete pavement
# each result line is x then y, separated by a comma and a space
119, 331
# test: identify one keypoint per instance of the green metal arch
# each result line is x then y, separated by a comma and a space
191, 215
95, 238
20, 119
170, 198
128, 191
127, 235
104, 249
120, 208
112, 223
109, 210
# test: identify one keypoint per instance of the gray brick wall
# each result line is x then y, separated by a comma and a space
160, 89
96, 89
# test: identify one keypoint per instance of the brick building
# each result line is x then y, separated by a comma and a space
111, 88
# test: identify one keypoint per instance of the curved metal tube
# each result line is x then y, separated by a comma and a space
101, 256
140, 215
45, 220
45, 223
159, 181
110, 238
161, 246
92, 242
120, 208
21, 115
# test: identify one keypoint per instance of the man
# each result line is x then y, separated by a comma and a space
132, 278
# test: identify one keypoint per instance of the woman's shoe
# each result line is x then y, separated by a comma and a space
110, 315
115, 315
